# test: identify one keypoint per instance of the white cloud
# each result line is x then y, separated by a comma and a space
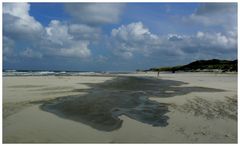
60, 42
77, 49
135, 31
57, 33
200, 34
20, 28
216, 15
74, 39
17, 9
204, 43
216, 40
57, 39
95, 13
133, 38
17, 23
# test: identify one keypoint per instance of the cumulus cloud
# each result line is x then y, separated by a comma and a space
95, 13
77, 49
57, 39
135, 38
213, 15
57, 33
203, 42
24, 36
217, 41
18, 24
60, 41
20, 28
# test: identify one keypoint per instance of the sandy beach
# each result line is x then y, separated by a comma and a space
121, 108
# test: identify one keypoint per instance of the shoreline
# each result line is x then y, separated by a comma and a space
103, 73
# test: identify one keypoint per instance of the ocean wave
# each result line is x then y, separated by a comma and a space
47, 73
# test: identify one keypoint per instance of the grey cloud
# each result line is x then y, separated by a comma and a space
8, 46
29, 53
215, 8
102, 59
17, 23
21, 28
175, 37
215, 14
85, 32
95, 13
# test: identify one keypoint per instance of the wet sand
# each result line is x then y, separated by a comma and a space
129, 108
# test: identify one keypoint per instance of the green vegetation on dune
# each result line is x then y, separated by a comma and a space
202, 65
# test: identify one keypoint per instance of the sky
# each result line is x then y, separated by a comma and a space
116, 36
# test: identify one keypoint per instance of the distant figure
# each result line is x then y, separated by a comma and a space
158, 73
173, 71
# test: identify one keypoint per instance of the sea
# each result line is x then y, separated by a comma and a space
58, 73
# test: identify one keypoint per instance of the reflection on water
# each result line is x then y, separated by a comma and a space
128, 96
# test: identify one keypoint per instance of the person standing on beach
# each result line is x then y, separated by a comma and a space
158, 73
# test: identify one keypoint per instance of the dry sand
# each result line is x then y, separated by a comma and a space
193, 117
